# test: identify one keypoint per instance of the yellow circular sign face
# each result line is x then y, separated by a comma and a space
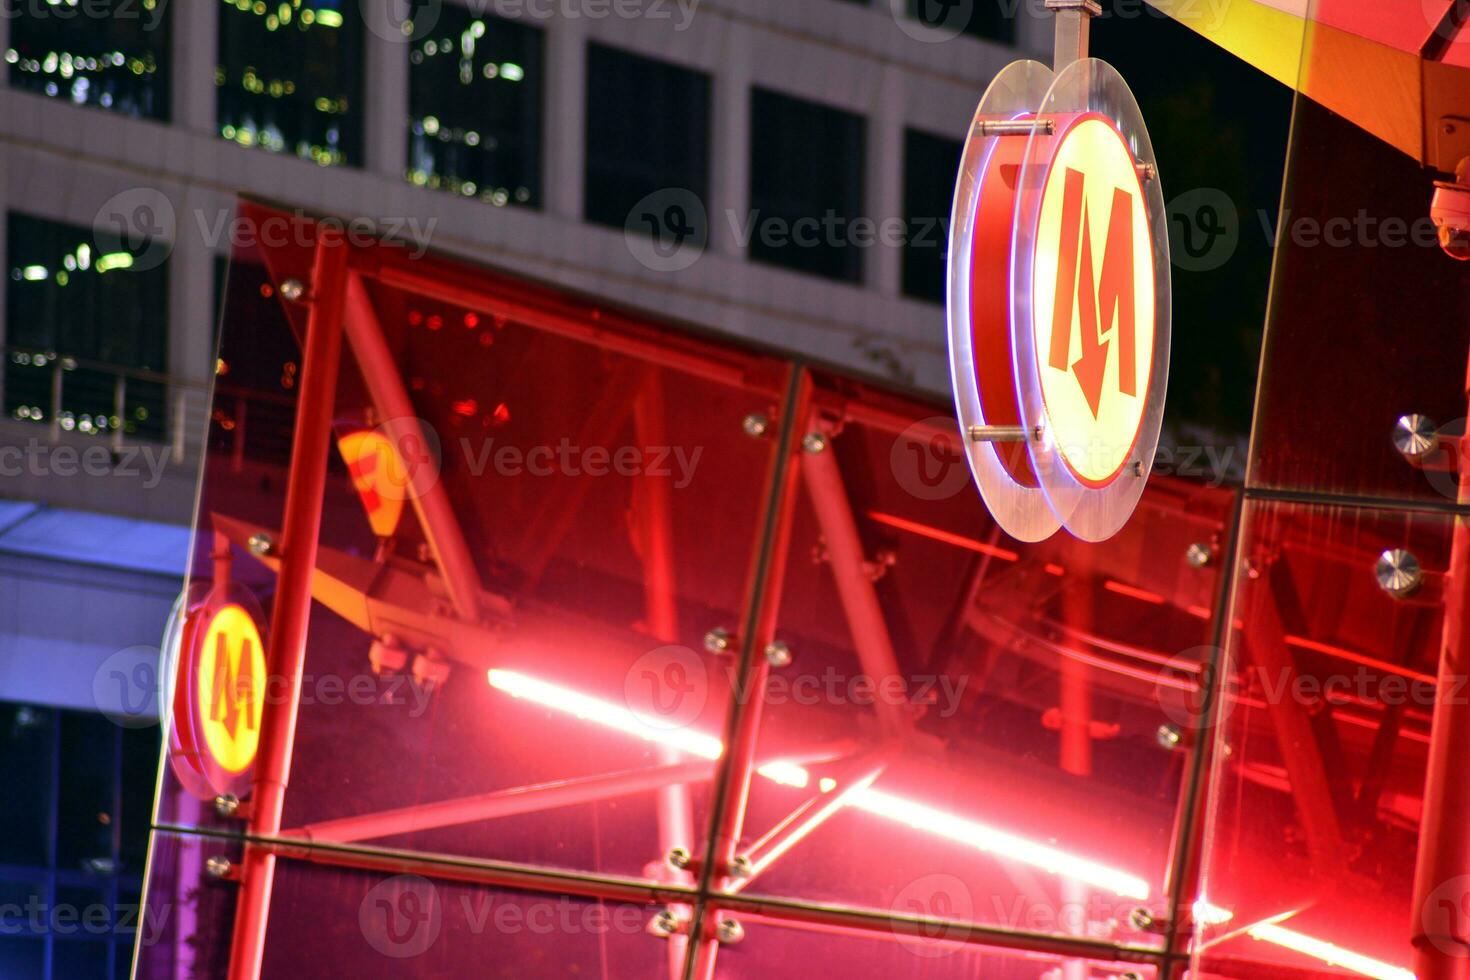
1093, 300
230, 688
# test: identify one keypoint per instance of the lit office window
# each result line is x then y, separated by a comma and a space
647, 131
290, 77
475, 107
806, 186
990, 20
73, 837
108, 53
930, 164
88, 315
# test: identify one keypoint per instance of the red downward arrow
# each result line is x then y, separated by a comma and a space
1093, 363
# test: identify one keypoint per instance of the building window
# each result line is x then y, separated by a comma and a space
475, 88
806, 185
73, 837
108, 53
290, 78
930, 165
87, 324
989, 20
647, 131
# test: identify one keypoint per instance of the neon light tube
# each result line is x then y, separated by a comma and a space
911, 813
1319, 949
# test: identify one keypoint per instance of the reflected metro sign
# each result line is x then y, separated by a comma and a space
220, 693
1059, 300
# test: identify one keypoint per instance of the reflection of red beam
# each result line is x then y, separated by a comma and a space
286, 652
395, 409
503, 803
1358, 658
948, 537
1132, 592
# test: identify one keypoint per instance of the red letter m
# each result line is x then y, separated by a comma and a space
1100, 300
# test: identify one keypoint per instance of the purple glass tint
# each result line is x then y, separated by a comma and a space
1321, 749
960, 704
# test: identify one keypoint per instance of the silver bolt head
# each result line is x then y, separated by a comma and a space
730, 931
1141, 919
755, 425
718, 640
1169, 736
741, 867
778, 654
1415, 436
261, 544
665, 923
227, 805
293, 290
814, 442
1199, 554
679, 858
217, 866
1399, 573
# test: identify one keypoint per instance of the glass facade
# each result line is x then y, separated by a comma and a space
475, 102
806, 186
647, 132
108, 53
87, 327
73, 836
290, 78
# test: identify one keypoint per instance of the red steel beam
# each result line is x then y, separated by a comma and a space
395, 409
286, 649
503, 803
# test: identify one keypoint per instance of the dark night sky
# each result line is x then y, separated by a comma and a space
1216, 122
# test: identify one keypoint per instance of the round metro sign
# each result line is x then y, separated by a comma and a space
1059, 300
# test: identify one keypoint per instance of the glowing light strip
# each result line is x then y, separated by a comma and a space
1320, 949
911, 813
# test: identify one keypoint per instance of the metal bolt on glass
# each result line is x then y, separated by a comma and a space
718, 640
814, 442
1199, 554
227, 805
1399, 573
1169, 736
778, 654
293, 290
262, 544
1415, 436
218, 867
665, 924
680, 859
755, 425
741, 867
730, 932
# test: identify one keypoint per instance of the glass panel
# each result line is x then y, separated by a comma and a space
475, 87
290, 78
87, 312
806, 185
647, 131
1321, 753
338, 921
1021, 710
943, 952
1343, 362
110, 53
929, 167
609, 530
27, 759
